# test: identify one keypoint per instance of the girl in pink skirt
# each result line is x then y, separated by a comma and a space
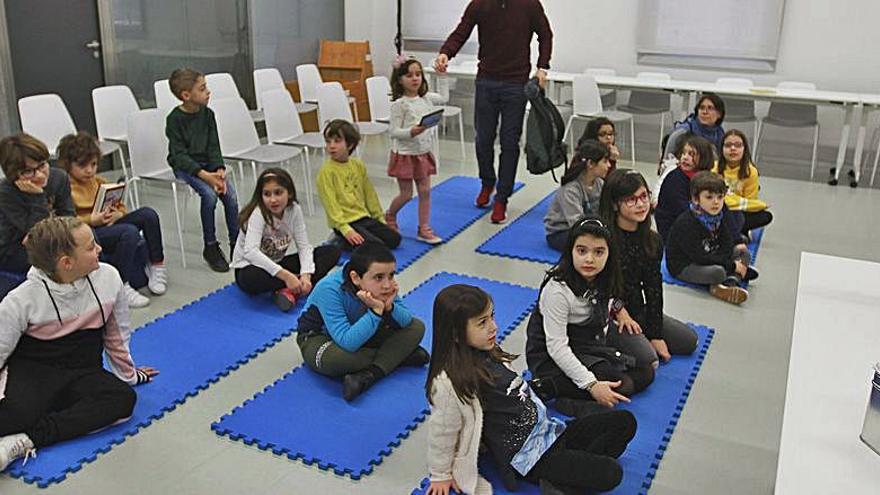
412, 160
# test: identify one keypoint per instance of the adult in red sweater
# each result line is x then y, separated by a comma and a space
505, 33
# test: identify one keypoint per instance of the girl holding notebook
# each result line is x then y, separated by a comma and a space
412, 160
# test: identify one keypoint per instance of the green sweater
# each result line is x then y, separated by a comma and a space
347, 194
192, 140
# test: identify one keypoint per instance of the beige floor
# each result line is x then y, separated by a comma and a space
726, 442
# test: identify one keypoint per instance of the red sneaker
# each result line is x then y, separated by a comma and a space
499, 212
482, 200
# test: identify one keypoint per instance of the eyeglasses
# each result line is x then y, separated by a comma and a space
733, 144
634, 200
28, 173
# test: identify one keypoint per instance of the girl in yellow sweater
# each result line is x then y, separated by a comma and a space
741, 177
116, 230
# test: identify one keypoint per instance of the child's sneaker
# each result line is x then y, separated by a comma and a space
499, 212
157, 278
751, 273
135, 298
391, 221
732, 293
426, 234
13, 447
482, 200
214, 256
284, 299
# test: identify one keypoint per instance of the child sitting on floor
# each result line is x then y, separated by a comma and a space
700, 249
53, 385
476, 397
579, 193
741, 176
116, 230
274, 254
350, 201
356, 326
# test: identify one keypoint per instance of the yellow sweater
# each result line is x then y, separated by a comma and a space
84, 195
742, 194
347, 194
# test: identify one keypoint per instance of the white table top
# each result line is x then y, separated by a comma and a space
757, 93
834, 347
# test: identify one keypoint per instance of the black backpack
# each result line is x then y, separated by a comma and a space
545, 131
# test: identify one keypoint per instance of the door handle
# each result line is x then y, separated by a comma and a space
93, 45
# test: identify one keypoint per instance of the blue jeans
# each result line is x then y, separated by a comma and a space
209, 202
124, 247
507, 100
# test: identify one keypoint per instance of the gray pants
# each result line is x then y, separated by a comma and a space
680, 339
386, 349
712, 274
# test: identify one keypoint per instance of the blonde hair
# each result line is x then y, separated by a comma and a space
49, 240
183, 80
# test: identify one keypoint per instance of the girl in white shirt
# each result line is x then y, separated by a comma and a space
274, 254
412, 160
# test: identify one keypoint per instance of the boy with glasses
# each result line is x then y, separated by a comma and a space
30, 192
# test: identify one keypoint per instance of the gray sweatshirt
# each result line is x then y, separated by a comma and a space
571, 203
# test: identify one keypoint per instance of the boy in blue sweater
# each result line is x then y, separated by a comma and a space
356, 326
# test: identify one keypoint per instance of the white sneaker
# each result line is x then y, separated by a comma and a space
135, 298
15, 446
157, 278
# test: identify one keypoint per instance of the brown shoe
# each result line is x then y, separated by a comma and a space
729, 293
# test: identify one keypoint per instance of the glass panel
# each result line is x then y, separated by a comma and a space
288, 32
154, 38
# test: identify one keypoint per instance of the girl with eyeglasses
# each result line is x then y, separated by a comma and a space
602, 129
579, 193
626, 208
741, 176
30, 192
581, 342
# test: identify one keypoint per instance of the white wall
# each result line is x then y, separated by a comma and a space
834, 44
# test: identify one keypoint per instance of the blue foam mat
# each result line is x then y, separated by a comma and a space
657, 411
168, 343
193, 348
303, 416
453, 210
525, 239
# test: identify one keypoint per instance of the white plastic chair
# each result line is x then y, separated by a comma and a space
793, 115
739, 109
148, 149
222, 86
269, 79
332, 105
309, 78
46, 118
165, 99
609, 96
112, 105
239, 141
587, 104
650, 102
379, 99
284, 127
450, 111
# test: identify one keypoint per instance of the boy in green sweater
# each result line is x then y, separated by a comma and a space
349, 199
194, 155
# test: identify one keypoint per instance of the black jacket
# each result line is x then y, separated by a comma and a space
690, 242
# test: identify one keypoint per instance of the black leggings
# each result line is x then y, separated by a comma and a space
585, 455
255, 280
756, 219
632, 381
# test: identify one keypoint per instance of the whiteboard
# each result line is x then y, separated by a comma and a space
432, 20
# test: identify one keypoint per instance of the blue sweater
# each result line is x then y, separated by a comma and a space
334, 308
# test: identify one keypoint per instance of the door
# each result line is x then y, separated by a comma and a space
55, 47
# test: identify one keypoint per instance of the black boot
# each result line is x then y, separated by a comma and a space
418, 358
354, 384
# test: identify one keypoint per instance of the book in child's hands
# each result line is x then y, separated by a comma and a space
109, 196
431, 118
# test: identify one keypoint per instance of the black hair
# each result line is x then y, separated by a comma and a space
716, 101
587, 151
619, 185
704, 148
593, 127
609, 282
402, 70
745, 162
365, 255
